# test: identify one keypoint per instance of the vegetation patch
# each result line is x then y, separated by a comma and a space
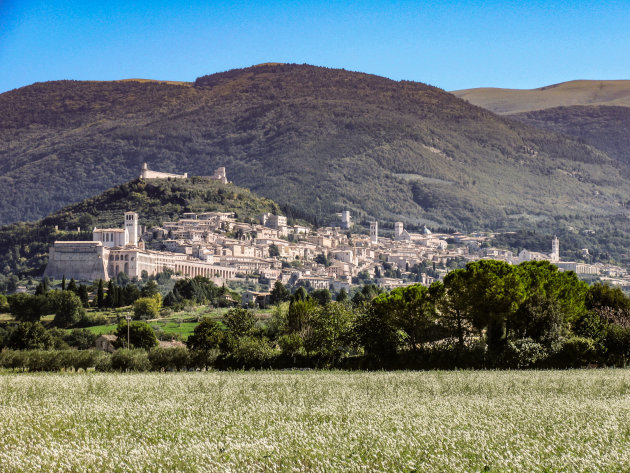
316, 421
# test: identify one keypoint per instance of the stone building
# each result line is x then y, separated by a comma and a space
115, 251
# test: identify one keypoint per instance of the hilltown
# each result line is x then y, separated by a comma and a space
217, 246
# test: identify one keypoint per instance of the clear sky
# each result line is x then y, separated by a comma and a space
452, 45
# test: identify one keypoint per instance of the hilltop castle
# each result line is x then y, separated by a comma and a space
146, 173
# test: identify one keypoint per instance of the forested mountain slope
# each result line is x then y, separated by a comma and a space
315, 140
607, 128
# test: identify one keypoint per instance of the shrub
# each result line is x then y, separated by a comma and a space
81, 338
147, 307
130, 360
91, 319
617, 344
252, 352
102, 361
523, 353
13, 359
202, 359
576, 352
291, 344
168, 359
43, 360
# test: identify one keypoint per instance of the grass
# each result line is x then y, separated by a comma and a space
183, 329
553, 421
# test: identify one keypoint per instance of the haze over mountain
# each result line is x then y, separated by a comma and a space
315, 140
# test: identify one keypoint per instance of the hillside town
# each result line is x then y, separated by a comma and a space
216, 245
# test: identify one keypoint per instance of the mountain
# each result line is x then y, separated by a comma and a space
604, 127
24, 246
595, 112
565, 94
313, 139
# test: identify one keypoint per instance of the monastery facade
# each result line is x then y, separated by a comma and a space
114, 250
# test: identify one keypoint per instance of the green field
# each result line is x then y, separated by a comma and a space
528, 421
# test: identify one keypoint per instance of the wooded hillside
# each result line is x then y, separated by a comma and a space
313, 139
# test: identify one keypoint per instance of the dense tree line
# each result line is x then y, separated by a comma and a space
487, 315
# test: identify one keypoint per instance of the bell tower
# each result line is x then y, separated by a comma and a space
131, 228
555, 250
374, 233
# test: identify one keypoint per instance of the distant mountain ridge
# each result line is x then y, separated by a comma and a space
595, 112
565, 94
313, 139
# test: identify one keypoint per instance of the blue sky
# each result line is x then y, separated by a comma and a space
452, 45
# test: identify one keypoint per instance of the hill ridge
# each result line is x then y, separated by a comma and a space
316, 140
570, 93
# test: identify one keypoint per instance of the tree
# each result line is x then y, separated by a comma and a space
323, 259
100, 294
4, 303
81, 338
84, 294
327, 330
376, 332
495, 291
63, 283
147, 307
240, 322
129, 295
274, 251
42, 288
540, 319
150, 289
67, 307
27, 308
453, 304
279, 293
72, 286
342, 296
601, 295
141, 335
30, 336
410, 310
299, 312
322, 296
206, 336
172, 299
112, 294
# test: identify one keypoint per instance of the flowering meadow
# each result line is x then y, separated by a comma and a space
497, 421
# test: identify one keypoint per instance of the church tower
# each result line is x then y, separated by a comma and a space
131, 228
374, 233
555, 250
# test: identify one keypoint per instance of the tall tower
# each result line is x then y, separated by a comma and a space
131, 228
374, 233
555, 250
346, 220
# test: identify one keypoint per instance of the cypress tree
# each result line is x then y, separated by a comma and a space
72, 286
100, 295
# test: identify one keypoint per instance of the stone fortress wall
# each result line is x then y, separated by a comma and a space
81, 260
